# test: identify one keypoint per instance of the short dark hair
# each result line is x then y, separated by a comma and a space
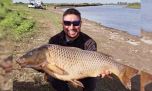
72, 11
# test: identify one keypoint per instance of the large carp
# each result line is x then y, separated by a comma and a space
70, 63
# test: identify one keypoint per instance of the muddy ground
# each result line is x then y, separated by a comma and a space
134, 51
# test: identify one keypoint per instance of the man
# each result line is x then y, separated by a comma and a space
73, 37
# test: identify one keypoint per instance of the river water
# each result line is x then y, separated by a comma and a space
118, 17
146, 15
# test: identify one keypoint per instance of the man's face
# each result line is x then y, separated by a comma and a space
71, 25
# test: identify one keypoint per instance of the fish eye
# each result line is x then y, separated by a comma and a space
30, 54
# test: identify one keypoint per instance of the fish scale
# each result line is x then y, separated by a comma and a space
71, 64
86, 60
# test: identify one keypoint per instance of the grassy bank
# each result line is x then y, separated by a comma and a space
17, 21
39, 16
74, 4
14, 24
134, 5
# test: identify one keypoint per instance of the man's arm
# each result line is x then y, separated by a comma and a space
90, 45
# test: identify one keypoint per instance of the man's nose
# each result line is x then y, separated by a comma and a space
71, 26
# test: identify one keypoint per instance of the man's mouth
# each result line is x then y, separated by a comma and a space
72, 32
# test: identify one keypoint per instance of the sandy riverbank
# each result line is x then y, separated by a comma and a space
131, 50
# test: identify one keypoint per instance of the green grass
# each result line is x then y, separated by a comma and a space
3, 8
13, 16
24, 28
14, 24
134, 5
12, 20
38, 14
3, 13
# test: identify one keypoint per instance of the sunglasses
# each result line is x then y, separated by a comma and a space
68, 23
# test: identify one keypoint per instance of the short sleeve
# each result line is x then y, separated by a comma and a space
90, 45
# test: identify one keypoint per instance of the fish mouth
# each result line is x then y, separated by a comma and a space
18, 61
21, 62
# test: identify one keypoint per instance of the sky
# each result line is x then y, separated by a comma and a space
80, 1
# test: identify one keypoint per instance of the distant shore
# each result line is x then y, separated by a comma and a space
65, 5
134, 5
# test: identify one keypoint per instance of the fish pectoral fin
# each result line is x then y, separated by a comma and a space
50, 72
76, 83
56, 69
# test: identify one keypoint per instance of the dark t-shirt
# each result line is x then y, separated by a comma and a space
83, 41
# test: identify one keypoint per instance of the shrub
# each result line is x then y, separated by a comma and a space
25, 27
12, 20
13, 24
5, 3
3, 13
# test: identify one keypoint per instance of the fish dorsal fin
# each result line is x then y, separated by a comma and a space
55, 69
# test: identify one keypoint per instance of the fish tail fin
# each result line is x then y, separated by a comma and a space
146, 81
126, 76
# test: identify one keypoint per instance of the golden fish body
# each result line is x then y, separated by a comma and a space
71, 64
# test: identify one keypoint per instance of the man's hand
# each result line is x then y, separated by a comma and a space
105, 73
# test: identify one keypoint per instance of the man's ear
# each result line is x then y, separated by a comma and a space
80, 22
